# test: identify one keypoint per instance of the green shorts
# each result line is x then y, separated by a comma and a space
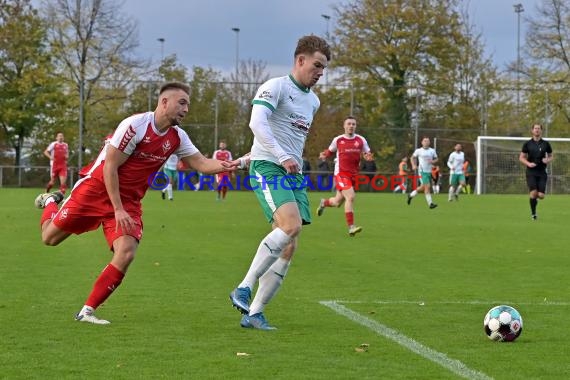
172, 174
456, 179
425, 178
274, 187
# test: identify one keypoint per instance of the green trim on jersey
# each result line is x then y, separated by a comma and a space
263, 103
273, 187
299, 85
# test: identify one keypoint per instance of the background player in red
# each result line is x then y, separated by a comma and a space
58, 153
349, 148
223, 178
110, 193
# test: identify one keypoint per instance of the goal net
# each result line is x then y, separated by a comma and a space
499, 170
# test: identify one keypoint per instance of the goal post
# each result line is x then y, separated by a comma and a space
499, 170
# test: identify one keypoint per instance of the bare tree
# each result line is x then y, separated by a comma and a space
94, 42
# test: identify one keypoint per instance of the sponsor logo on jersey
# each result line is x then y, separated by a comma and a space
127, 137
265, 95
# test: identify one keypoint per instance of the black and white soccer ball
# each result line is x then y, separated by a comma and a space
503, 323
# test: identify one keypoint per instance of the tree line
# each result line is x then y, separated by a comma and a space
403, 68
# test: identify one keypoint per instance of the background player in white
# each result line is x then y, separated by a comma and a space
170, 169
456, 176
281, 117
422, 160
349, 148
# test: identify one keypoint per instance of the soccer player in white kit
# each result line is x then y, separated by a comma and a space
281, 117
456, 178
423, 160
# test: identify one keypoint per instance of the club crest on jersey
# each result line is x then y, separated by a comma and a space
127, 137
146, 139
166, 146
63, 214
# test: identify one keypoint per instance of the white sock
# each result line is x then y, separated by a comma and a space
458, 189
169, 190
451, 190
413, 193
86, 310
268, 252
269, 285
428, 198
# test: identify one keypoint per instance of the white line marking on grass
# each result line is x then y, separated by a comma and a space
443, 360
476, 302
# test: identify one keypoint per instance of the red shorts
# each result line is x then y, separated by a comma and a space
220, 177
344, 181
59, 171
88, 207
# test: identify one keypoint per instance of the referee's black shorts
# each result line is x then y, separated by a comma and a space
536, 181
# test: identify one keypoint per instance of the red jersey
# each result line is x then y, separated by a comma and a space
58, 152
147, 149
348, 152
222, 155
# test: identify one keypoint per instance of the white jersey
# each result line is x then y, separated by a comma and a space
293, 107
425, 158
455, 162
172, 162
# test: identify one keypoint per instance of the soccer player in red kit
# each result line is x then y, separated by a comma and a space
58, 153
110, 194
223, 178
349, 148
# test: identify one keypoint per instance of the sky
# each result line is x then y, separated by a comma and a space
200, 32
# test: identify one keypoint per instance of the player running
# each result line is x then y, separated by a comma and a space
423, 159
349, 148
58, 153
456, 178
110, 193
223, 178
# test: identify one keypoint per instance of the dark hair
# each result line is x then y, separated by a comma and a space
175, 86
311, 44
540, 125
349, 117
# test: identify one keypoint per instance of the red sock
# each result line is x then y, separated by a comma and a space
224, 191
327, 203
106, 283
49, 212
349, 218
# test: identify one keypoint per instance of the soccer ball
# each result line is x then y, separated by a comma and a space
503, 323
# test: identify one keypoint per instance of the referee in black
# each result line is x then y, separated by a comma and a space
536, 154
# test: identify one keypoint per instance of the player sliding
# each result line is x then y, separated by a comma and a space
110, 193
423, 158
348, 148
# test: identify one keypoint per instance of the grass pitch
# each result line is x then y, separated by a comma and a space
427, 276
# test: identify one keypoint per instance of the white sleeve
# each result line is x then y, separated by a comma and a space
333, 146
365, 146
186, 148
125, 137
259, 124
450, 162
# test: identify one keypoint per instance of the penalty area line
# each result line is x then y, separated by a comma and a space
437, 357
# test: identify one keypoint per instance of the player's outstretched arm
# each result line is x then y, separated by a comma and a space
210, 165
